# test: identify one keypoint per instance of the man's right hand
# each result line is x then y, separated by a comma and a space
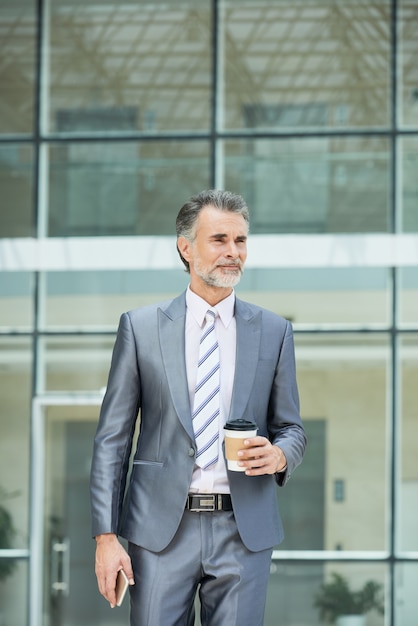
110, 558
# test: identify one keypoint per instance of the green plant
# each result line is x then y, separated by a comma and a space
335, 598
7, 534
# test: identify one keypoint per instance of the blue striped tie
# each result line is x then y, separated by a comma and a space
206, 405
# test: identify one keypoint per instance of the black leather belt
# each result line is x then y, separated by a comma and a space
201, 502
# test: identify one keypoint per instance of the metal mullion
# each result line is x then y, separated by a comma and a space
394, 443
215, 93
112, 137
395, 397
34, 604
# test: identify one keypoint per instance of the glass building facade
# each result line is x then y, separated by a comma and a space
112, 115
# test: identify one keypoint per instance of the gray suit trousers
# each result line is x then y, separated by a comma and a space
206, 557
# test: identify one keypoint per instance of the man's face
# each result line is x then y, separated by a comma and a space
219, 250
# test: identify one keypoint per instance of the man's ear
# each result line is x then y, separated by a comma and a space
183, 246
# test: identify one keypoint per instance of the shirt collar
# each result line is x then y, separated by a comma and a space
197, 306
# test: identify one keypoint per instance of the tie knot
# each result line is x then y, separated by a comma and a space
211, 316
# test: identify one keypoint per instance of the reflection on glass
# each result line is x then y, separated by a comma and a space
408, 41
16, 306
305, 498
320, 296
71, 594
131, 66
296, 592
97, 299
335, 185
343, 389
16, 184
409, 160
13, 594
408, 496
77, 363
15, 394
123, 188
406, 609
17, 72
408, 295
311, 64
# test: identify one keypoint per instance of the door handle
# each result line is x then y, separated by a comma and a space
60, 567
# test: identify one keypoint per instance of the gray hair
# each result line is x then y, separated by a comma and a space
189, 212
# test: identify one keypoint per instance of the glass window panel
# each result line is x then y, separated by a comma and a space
343, 391
17, 71
76, 363
409, 178
126, 188
305, 64
406, 594
320, 296
97, 299
312, 185
16, 185
408, 44
14, 591
409, 295
130, 66
293, 589
408, 487
15, 394
16, 306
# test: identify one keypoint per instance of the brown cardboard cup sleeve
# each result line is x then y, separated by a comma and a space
236, 431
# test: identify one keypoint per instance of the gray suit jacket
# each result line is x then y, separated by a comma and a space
148, 375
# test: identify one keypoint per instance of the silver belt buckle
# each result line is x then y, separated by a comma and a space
206, 503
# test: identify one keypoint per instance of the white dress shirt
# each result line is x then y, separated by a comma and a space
214, 478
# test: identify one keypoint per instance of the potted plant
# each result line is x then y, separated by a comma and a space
338, 604
7, 534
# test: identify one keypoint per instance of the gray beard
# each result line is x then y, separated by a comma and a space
214, 280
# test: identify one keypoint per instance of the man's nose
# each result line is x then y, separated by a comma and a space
232, 250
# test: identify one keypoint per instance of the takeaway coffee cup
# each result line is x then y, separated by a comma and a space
235, 433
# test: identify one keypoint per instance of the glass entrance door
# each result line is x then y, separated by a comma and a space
70, 596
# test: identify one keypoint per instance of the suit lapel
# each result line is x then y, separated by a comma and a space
171, 323
248, 344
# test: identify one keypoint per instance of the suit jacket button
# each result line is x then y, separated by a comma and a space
191, 452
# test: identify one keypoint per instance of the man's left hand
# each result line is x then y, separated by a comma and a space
261, 457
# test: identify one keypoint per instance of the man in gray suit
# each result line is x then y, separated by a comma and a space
192, 526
